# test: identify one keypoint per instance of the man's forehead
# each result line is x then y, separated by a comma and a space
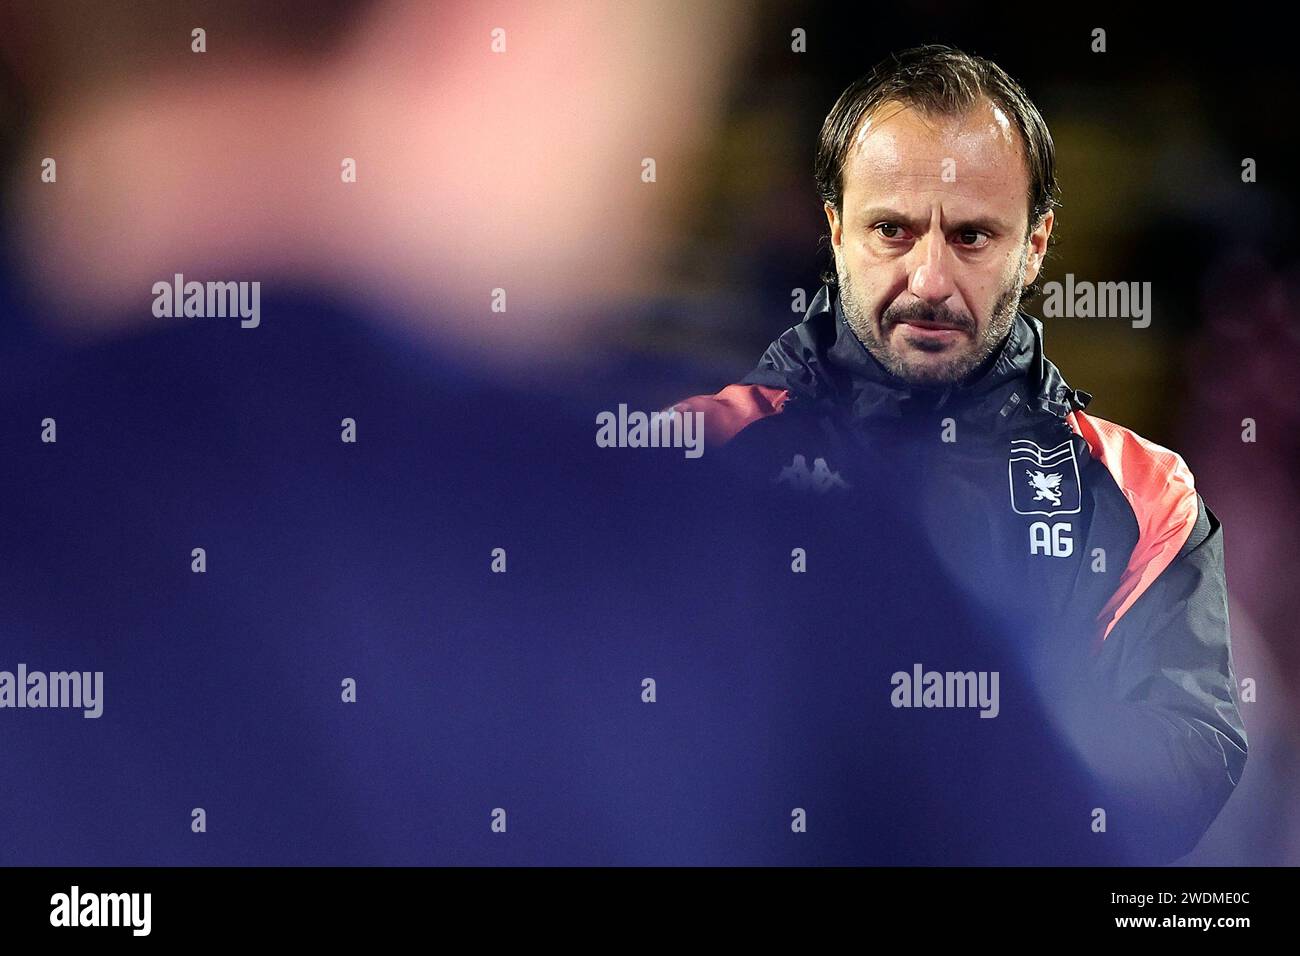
895, 144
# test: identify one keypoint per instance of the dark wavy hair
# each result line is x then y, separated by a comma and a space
936, 80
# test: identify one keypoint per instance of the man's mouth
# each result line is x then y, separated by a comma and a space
933, 325
933, 334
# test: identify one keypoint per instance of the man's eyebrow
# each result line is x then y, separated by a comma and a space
990, 224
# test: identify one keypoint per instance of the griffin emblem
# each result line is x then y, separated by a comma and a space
1046, 487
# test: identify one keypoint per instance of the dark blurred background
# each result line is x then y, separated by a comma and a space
523, 171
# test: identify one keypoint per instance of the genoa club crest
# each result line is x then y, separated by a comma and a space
1044, 481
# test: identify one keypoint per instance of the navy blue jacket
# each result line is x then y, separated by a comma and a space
996, 520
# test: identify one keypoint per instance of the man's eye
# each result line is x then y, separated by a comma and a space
977, 238
885, 226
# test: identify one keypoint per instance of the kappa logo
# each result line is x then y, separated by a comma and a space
1044, 481
820, 479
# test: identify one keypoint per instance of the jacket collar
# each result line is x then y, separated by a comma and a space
821, 360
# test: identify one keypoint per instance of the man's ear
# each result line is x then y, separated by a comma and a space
836, 223
1038, 247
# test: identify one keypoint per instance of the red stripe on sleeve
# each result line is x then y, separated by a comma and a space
733, 408
1159, 487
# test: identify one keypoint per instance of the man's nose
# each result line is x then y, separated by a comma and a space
930, 269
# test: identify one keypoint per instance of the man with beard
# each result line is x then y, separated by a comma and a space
954, 505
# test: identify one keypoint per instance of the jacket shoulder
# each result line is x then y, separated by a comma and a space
1161, 491
734, 408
